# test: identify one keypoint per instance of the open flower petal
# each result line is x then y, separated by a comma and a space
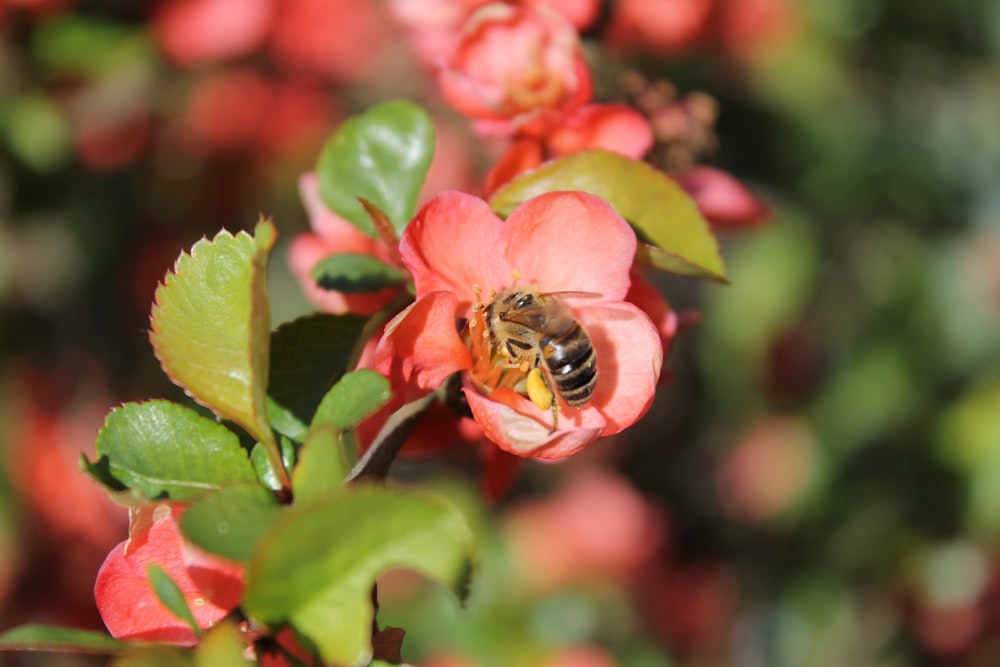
526, 430
451, 245
629, 359
421, 346
570, 242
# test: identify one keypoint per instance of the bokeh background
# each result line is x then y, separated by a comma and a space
818, 484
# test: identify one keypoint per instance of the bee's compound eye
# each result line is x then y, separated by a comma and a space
524, 301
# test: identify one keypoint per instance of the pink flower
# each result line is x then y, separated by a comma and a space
194, 32
668, 26
514, 66
461, 255
434, 26
125, 598
337, 39
597, 526
332, 234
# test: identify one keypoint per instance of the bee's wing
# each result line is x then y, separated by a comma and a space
575, 295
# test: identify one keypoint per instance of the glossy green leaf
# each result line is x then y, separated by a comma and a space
354, 397
165, 450
308, 356
322, 467
230, 521
169, 593
316, 567
672, 232
351, 272
211, 326
263, 465
381, 155
59, 640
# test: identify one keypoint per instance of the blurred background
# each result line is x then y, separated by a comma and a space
818, 482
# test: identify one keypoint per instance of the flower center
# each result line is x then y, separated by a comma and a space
503, 337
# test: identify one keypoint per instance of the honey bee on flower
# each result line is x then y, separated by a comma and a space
556, 326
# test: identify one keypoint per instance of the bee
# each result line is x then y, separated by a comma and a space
536, 330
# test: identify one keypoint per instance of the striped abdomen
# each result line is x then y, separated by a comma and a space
572, 364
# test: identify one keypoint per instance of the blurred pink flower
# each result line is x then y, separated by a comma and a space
668, 26
459, 253
514, 66
725, 202
613, 127
195, 32
769, 468
748, 29
335, 39
212, 586
596, 527
580, 656
228, 108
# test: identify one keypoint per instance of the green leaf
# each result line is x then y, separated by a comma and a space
381, 155
169, 593
323, 465
58, 640
263, 466
230, 521
155, 656
316, 567
221, 647
351, 272
211, 326
353, 398
165, 450
674, 236
308, 356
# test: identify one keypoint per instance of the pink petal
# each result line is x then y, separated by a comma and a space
650, 301
451, 245
527, 431
614, 127
570, 241
421, 346
581, 13
629, 360
723, 200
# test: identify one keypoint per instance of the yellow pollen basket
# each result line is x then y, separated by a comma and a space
538, 390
